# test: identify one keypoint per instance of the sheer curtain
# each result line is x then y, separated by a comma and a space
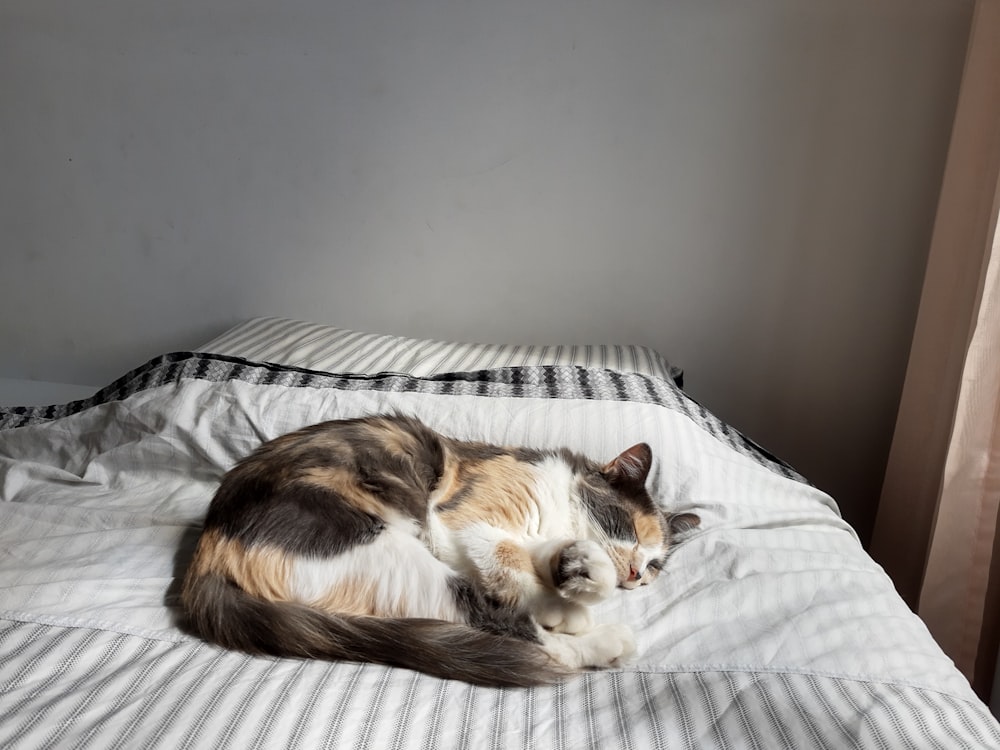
936, 532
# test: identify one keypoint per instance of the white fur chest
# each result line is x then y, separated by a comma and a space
557, 511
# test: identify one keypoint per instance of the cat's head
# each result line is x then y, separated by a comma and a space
633, 530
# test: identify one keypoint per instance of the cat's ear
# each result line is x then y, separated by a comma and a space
630, 466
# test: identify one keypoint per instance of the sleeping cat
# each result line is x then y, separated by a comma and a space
380, 540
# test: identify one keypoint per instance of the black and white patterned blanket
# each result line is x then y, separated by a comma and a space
770, 628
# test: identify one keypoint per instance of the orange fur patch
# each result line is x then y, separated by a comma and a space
265, 572
354, 596
505, 579
342, 482
514, 556
501, 494
447, 484
389, 434
648, 530
260, 571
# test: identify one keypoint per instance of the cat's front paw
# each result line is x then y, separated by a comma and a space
583, 572
604, 646
562, 616
609, 645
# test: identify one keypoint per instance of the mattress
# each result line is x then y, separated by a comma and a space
770, 626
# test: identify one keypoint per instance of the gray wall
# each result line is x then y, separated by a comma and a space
747, 186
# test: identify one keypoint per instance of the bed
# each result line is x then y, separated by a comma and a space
770, 627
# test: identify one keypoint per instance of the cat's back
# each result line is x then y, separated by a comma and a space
351, 473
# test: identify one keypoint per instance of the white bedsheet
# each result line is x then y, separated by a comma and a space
772, 596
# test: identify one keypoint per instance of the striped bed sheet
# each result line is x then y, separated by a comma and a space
323, 347
770, 627
102, 689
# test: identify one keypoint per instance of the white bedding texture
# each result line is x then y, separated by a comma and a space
770, 627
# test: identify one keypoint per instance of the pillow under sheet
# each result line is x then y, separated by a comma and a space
322, 347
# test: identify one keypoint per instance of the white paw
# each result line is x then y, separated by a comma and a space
604, 646
609, 646
584, 572
562, 616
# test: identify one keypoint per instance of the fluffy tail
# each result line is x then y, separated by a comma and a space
223, 613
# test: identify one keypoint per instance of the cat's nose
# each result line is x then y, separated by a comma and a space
634, 574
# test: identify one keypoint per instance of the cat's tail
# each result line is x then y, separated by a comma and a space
221, 612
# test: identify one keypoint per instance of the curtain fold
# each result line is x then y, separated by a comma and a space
936, 527
955, 599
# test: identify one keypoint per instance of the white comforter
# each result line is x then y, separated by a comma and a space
770, 626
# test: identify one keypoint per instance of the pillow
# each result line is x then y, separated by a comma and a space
321, 347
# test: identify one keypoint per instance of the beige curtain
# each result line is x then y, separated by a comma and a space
936, 531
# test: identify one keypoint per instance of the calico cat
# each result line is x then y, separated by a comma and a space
380, 540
